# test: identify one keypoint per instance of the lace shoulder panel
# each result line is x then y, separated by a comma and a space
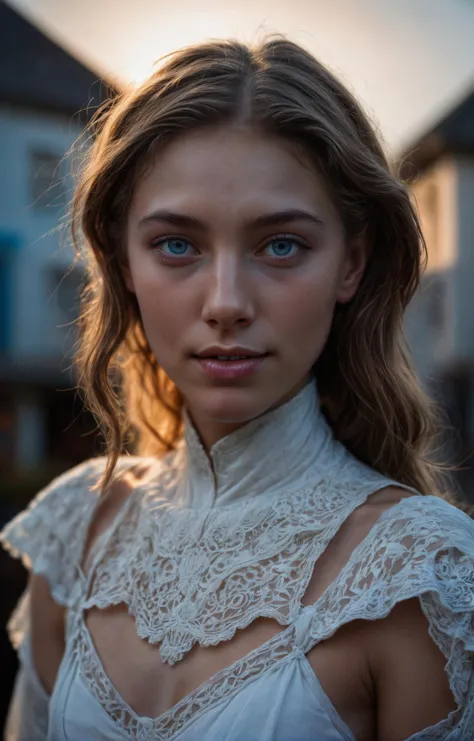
422, 547
48, 535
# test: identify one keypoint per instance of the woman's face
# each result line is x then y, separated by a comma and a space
235, 250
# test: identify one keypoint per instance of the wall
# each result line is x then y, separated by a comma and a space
464, 268
440, 318
33, 229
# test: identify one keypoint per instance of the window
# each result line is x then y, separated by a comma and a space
47, 186
430, 222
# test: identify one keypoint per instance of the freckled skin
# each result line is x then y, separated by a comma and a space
227, 281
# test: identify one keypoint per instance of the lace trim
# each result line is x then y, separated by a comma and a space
222, 685
49, 534
409, 553
197, 576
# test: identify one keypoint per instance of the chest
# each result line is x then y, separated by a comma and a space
153, 689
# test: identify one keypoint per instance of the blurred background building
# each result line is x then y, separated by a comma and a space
440, 320
46, 97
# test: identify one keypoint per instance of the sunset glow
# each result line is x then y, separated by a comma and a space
407, 62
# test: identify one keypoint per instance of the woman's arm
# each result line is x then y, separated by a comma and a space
411, 683
47, 631
40, 656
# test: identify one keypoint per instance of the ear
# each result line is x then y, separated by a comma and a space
353, 268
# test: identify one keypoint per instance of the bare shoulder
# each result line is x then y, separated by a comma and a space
360, 522
120, 489
385, 498
408, 668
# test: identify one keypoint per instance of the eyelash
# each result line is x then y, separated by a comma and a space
156, 245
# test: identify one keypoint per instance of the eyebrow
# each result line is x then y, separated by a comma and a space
277, 217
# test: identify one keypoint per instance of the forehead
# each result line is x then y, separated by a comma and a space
233, 168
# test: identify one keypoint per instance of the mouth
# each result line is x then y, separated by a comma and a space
229, 355
231, 365
230, 358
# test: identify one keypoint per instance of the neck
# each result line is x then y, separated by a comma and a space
210, 431
279, 451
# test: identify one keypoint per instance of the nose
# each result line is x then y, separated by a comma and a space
228, 301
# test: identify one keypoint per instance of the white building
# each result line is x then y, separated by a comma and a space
44, 94
441, 319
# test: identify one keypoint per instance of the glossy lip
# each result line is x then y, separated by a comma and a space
229, 370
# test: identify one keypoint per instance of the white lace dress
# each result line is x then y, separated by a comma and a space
200, 551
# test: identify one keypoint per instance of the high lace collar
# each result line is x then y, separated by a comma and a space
266, 456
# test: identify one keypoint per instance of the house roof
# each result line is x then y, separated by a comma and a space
453, 133
37, 73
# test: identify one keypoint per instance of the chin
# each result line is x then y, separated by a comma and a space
232, 405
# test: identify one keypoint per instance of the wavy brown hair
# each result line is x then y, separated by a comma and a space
368, 388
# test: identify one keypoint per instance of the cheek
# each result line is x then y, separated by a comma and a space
162, 310
304, 315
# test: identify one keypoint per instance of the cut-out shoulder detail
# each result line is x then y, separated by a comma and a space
422, 547
351, 533
390, 495
106, 511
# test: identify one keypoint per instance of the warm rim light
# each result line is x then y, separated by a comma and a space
140, 72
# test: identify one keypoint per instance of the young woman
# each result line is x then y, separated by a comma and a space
274, 563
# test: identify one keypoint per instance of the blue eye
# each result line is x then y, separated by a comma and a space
175, 247
284, 247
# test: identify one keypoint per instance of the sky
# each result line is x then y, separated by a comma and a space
407, 61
